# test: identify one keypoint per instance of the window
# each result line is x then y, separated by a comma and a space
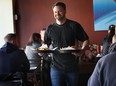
6, 19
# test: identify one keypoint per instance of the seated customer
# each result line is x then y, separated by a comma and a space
104, 73
107, 40
42, 32
12, 59
33, 43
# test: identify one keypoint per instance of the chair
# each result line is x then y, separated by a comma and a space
39, 75
34, 74
11, 79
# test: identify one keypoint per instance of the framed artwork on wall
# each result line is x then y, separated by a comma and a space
104, 14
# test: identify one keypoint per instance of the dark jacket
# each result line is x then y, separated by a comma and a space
106, 46
12, 59
104, 73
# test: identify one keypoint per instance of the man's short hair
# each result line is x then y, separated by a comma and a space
9, 37
60, 4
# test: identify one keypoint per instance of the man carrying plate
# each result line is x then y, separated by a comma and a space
61, 34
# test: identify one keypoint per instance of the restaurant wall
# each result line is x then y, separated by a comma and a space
33, 15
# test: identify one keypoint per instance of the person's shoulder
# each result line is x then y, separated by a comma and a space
73, 22
18, 54
36, 45
108, 58
20, 51
51, 25
27, 47
112, 48
102, 62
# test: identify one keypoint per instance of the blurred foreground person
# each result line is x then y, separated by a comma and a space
104, 73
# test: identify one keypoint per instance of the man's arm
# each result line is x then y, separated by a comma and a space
83, 48
85, 44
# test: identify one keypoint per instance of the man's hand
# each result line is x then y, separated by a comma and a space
81, 52
42, 54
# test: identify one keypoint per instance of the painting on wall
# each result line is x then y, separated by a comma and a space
104, 14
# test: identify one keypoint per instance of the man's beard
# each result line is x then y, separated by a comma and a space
61, 18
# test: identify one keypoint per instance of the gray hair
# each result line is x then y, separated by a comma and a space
10, 37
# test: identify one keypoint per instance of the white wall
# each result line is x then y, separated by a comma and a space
6, 19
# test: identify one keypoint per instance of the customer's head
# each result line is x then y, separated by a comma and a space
10, 38
111, 28
59, 10
111, 33
42, 33
35, 37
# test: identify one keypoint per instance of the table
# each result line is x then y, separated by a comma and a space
43, 63
42, 60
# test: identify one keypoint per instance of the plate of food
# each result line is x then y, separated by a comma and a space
43, 49
68, 50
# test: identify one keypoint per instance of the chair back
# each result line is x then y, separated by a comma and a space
11, 79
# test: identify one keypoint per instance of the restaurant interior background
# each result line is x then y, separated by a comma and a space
33, 15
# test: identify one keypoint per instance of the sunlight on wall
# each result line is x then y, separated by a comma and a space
6, 19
